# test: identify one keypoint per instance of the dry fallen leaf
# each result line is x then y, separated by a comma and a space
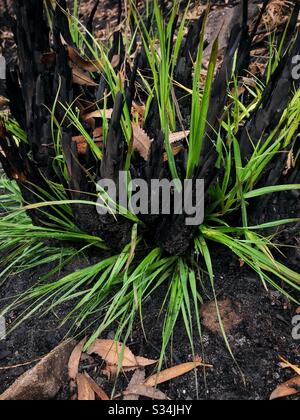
115, 61
82, 78
146, 391
111, 351
175, 139
74, 363
138, 378
291, 387
141, 141
180, 135
138, 112
82, 144
143, 362
96, 388
290, 163
111, 371
98, 134
85, 392
76, 58
175, 150
98, 114
174, 372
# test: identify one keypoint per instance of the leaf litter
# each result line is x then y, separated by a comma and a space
290, 387
119, 358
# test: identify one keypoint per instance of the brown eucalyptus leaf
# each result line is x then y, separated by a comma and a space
141, 141
81, 78
115, 61
291, 387
180, 135
143, 361
111, 371
113, 352
74, 361
75, 57
98, 134
174, 372
98, 114
146, 391
176, 149
138, 378
85, 391
96, 388
81, 144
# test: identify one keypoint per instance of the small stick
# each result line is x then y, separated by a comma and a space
20, 365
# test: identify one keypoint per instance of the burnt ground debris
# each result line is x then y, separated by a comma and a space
264, 334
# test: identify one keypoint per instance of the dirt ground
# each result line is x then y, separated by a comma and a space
264, 333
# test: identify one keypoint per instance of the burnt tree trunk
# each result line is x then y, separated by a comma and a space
43, 77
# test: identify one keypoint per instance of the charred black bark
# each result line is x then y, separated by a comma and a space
45, 75
275, 99
117, 233
185, 63
30, 88
23, 170
173, 234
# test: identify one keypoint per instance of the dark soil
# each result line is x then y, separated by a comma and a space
264, 334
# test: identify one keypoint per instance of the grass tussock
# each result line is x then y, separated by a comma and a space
223, 146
